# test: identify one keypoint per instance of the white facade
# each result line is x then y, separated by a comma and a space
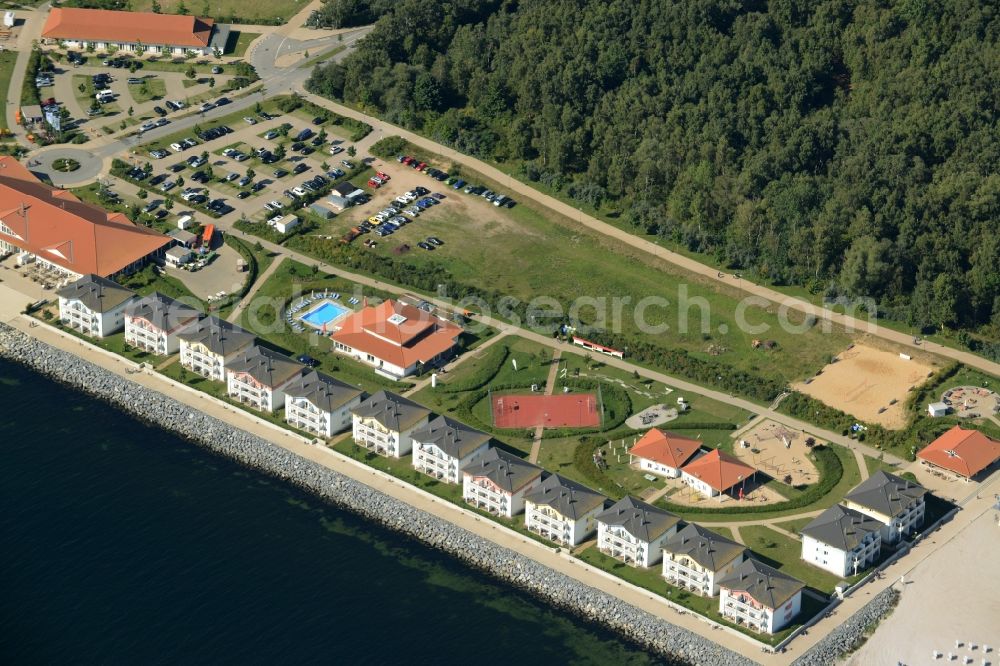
204, 361
381, 366
134, 47
433, 461
904, 522
682, 571
302, 414
658, 468
740, 608
482, 493
840, 562
75, 314
372, 435
617, 542
698, 484
549, 523
143, 335
246, 390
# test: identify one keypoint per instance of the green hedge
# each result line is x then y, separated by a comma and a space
831, 470
490, 365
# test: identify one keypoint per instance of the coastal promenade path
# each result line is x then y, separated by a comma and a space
11, 302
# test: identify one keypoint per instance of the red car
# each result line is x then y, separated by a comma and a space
374, 184
421, 166
407, 159
384, 177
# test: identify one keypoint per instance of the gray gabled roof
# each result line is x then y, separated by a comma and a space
322, 391
96, 293
218, 335
568, 498
393, 411
886, 493
709, 549
765, 584
162, 311
643, 521
455, 439
267, 367
841, 527
504, 469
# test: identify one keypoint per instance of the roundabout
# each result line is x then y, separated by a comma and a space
66, 166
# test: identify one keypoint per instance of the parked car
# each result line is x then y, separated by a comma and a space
272, 134
159, 110
280, 173
300, 168
347, 164
336, 150
222, 101
242, 195
435, 240
425, 245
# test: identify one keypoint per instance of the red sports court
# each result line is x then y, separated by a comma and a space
569, 410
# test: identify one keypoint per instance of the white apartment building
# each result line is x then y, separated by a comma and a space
95, 306
696, 559
498, 481
443, 447
207, 344
562, 511
634, 532
385, 422
257, 376
895, 502
152, 323
320, 404
842, 541
760, 597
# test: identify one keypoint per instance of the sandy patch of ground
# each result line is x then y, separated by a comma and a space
219, 276
869, 383
765, 448
970, 402
939, 482
651, 417
953, 595
753, 494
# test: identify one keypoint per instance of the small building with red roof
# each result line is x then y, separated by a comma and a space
663, 453
395, 338
715, 473
103, 29
962, 452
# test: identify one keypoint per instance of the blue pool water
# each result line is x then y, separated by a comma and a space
324, 314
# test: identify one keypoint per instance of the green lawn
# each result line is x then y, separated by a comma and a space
242, 41
7, 60
874, 465
147, 281
785, 553
326, 55
794, 526
269, 12
150, 88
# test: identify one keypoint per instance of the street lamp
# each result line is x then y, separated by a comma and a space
856, 563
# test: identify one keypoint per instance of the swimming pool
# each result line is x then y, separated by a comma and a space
324, 314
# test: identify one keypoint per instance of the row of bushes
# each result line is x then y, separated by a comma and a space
358, 129
831, 471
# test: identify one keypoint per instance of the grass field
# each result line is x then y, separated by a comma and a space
7, 60
150, 88
247, 11
525, 254
785, 553
795, 525
326, 55
241, 42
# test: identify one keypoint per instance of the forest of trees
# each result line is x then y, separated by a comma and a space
847, 146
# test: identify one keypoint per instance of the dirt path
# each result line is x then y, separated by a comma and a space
261, 279
737, 537
550, 384
382, 128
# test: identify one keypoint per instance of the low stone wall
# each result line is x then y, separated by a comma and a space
852, 633
556, 588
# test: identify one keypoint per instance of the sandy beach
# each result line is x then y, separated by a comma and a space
952, 595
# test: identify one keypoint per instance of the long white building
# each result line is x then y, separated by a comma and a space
895, 502
257, 377
696, 559
498, 481
634, 532
95, 306
153, 322
759, 597
208, 344
562, 510
842, 541
443, 447
385, 422
320, 404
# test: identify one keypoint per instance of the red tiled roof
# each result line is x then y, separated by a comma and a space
419, 336
57, 227
965, 452
104, 25
665, 448
719, 470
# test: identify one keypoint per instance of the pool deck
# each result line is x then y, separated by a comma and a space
342, 311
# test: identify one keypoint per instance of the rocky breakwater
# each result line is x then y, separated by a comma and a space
674, 642
850, 635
